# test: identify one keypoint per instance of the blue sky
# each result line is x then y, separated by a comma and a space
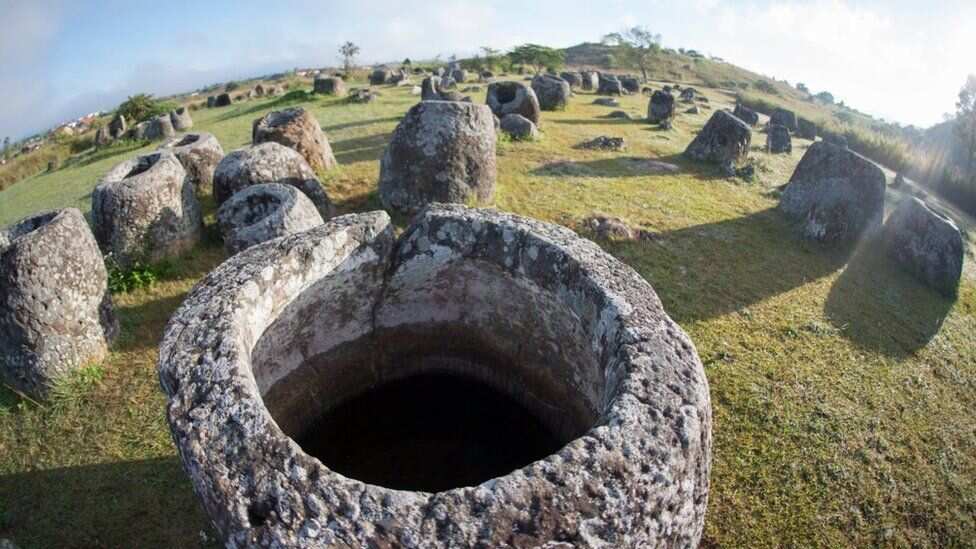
900, 59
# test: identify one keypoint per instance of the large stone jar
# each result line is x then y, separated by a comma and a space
484, 380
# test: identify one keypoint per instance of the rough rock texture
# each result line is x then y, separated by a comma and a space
297, 129
724, 141
836, 139
268, 163
117, 126
590, 80
199, 153
784, 117
56, 314
102, 137
835, 195
160, 127
604, 143
262, 212
574, 79
608, 84
330, 86
379, 77
746, 114
606, 102
222, 100
607, 365
145, 209
181, 120
927, 244
432, 90
660, 108
442, 151
362, 95
806, 129
506, 98
138, 132
630, 84
519, 127
778, 140
608, 228
553, 92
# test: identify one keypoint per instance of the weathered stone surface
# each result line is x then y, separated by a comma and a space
102, 137
688, 94
262, 212
778, 140
574, 79
138, 132
519, 127
431, 90
592, 354
606, 102
117, 126
222, 100
630, 84
144, 209
806, 129
746, 114
604, 143
180, 119
160, 127
56, 313
442, 151
608, 84
362, 95
506, 98
552, 92
590, 80
927, 244
784, 117
298, 129
834, 194
268, 163
379, 77
724, 141
332, 85
199, 153
608, 228
660, 108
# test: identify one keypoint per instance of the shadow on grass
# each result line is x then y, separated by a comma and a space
627, 166
603, 120
881, 308
360, 149
121, 147
710, 270
145, 503
358, 123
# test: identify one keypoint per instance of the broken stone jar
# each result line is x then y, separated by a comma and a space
484, 380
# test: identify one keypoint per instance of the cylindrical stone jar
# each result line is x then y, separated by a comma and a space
295, 371
56, 313
264, 212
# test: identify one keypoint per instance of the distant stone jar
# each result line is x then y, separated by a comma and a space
222, 100
479, 329
330, 86
927, 244
56, 313
298, 129
778, 140
268, 163
835, 195
199, 153
553, 92
145, 209
160, 127
660, 109
264, 212
442, 151
180, 119
746, 114
506, 98
723, 141
784, 117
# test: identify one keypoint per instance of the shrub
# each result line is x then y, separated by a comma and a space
139, 275
141, 107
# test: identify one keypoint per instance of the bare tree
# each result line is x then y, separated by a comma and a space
966, 122
348, 52
637, 47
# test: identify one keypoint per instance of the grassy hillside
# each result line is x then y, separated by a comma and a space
843, 391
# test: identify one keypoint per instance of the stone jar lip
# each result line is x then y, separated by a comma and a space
213, 397
33, 225
125, 174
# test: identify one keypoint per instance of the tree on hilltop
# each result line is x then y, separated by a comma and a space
348, 52
637, 47
537, 57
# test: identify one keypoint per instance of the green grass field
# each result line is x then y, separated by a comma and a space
844, 393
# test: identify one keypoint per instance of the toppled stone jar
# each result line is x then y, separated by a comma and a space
484, 380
